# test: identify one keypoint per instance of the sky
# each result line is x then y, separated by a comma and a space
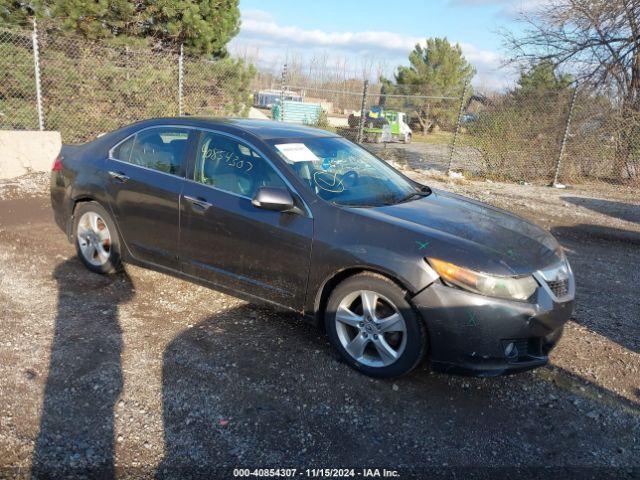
381, 31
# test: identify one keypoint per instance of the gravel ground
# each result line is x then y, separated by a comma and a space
32, 185
142, 375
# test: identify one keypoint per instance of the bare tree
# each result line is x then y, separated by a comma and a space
597, 40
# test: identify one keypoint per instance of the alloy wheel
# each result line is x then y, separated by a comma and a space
94, 239
371, 328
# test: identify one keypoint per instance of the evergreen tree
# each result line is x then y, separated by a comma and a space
91, 18
542, 77
437, 69
13, 12
204, 26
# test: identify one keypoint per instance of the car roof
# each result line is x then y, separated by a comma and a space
262, 129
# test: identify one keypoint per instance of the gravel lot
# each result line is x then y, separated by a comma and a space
142, 375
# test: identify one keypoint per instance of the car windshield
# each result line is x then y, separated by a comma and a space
341, 172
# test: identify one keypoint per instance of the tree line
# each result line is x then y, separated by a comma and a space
591, 42
203, 27
594, 44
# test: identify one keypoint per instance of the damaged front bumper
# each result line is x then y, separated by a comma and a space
472, 334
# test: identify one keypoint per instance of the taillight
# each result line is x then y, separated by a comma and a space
57, 164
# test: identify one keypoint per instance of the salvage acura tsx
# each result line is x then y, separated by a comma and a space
307, 220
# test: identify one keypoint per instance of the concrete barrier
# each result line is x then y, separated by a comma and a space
27, 151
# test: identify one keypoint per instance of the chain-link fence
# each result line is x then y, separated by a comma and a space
81, 88
216, 88
88, 88
570, 135
403, 125
514, 137
18, 102
603, 142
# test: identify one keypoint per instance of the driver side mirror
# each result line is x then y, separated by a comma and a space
275, 199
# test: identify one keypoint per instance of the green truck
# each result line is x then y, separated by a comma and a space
384, 126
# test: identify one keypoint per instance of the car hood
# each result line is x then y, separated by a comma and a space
470, 233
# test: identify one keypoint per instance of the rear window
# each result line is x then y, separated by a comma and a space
160, 149
123, 151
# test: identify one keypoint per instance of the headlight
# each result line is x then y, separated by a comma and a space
513, 288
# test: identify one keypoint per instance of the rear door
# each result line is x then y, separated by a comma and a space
227, 240
146, 177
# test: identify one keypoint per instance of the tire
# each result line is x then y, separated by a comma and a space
349, 329
96, 238
407, 138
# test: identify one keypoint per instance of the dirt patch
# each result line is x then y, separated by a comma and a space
35, 184
144, 375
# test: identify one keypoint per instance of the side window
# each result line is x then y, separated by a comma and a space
229, 165
159, 148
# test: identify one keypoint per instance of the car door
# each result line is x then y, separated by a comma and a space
146, 176
226, 239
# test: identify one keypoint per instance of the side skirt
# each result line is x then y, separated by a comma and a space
215, 286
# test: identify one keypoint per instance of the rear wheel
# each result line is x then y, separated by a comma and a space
374, 327
96, 238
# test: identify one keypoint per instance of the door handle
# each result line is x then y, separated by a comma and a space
121, 177
198, 202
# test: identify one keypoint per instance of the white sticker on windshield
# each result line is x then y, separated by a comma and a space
297, 152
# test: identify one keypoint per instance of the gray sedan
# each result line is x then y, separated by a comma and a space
304, 219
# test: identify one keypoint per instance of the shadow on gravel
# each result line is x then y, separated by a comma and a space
605, 262
251, 387
85, 376
222, 373
621, 210
597, 232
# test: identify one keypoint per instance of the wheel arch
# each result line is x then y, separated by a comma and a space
73, 204
86, 198
330, 283
83, 199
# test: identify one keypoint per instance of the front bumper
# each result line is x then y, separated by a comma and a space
469, 333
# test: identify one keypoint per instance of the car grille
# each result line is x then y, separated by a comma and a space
559, 287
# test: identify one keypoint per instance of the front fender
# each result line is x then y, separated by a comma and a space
412, 273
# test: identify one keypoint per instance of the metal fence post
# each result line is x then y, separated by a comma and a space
36, 64
363, 105
283, 86
564, 139
181, 81
455, 135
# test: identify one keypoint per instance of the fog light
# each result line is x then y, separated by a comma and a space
511, 351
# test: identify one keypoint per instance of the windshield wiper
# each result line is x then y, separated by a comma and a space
422, 192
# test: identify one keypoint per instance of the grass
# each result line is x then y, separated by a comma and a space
438, 138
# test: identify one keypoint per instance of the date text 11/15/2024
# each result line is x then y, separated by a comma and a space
317, 472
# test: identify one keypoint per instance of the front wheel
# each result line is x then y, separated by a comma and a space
374, 327
96, 238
